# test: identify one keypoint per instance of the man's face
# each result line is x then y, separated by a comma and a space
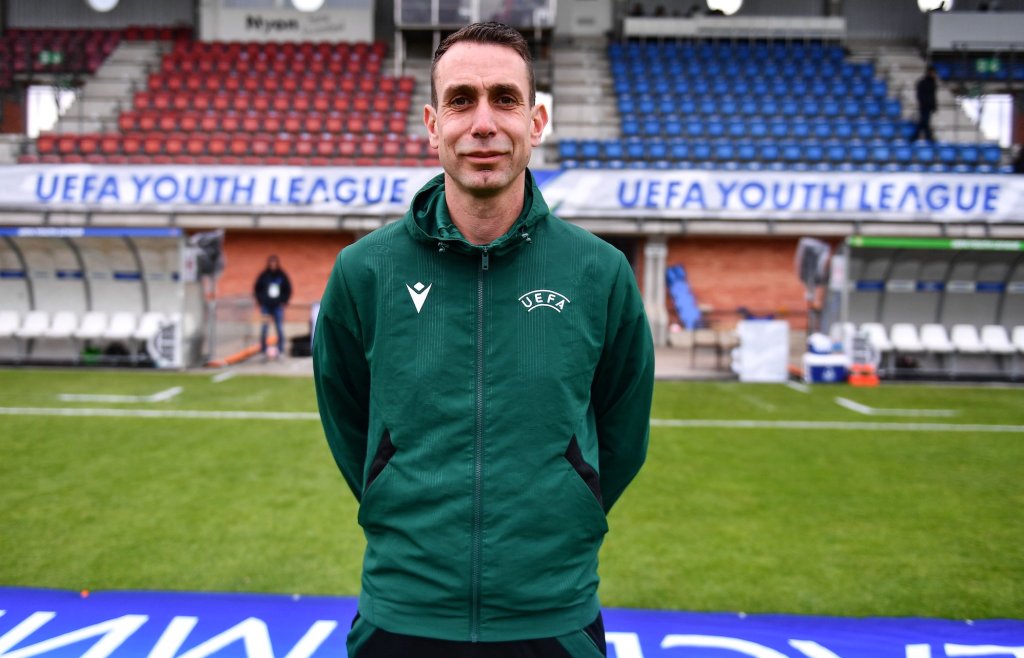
483, 125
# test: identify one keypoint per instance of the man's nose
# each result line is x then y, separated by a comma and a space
483, 121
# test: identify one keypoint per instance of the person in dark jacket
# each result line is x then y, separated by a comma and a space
927, 88
484, 373
272, 290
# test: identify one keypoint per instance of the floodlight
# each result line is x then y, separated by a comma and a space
308, 5
101, 5
727, 7
934, 5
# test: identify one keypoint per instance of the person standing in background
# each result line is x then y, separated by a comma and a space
273, 289
927, 88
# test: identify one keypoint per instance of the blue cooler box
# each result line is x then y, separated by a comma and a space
825, 368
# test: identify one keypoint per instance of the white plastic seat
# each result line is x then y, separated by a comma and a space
904, 338
1018, 338
34, 325
63, 326
122, 326
8, 323
995, 339
965, 339
935, 339
93, 326
149, 325
877, 336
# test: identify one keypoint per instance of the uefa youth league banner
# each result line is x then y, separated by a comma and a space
387, 191
59, 624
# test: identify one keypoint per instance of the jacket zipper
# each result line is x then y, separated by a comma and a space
478, 457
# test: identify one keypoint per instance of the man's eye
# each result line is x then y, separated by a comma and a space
507, 100
459, 101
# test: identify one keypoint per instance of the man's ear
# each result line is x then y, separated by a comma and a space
430, 121
538, 120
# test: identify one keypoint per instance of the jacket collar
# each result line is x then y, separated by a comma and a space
427, 219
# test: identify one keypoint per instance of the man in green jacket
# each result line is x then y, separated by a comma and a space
484, 374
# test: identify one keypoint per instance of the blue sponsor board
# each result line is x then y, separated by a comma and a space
58, 624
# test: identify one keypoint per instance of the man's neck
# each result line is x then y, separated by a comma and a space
482, 220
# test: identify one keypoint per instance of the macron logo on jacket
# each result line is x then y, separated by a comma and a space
419, 294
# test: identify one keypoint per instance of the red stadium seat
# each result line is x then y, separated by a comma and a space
46, 143
67, 144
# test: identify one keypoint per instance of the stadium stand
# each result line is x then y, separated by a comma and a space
795, 105
254, 103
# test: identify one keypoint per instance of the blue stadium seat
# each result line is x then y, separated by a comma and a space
881, 154
991, 154
821, 129
651, 127
778, 129
700, 151
842, 129
813, 152
923, 153
567, 149
694, 127
970, 154
570, 164
673, 128
947, 154
757, 127
746, 151
715, 128
630, 127
736, 128
903, 153
724, 151
885, 130
679, 151
590, 149
613, 149
892, 108
634, 150
799, 129
768, 152
863, 129
687, 106
657, 150
835, 153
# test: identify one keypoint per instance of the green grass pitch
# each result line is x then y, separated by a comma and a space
860, 516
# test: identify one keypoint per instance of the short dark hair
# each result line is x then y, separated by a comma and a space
491, 33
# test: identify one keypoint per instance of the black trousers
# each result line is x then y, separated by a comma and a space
384, 644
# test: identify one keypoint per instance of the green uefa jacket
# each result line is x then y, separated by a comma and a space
487, 406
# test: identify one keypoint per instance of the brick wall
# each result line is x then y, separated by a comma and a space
306, 256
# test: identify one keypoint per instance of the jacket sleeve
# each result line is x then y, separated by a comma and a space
286, 288
342, 379
622, 388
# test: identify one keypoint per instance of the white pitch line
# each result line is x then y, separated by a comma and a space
656, 422
161, 396
798, 387
838, 425
871, 411
223, 376
159, 413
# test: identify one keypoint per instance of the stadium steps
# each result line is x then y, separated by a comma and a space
901, 69
419, 69
10, 148
110, 90
584, 102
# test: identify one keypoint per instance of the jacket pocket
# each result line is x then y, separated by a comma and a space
586, 472
385, 451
